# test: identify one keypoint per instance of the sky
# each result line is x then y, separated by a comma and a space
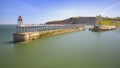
41, 11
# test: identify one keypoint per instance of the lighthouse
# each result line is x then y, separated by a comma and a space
20, 20
20, 24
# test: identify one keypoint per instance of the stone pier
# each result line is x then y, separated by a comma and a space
27, 32
98, 28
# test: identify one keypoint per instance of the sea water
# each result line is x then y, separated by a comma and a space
83, 49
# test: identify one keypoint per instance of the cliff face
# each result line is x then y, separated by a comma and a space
75, 20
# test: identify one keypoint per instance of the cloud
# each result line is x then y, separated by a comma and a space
67, 13
22, 8
29, 12
109, 8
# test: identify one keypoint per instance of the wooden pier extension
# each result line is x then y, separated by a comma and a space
26, 32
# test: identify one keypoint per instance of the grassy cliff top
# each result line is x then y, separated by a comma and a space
110, 22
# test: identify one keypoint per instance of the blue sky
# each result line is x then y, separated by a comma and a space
41, 11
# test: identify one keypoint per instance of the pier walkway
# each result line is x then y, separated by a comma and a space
45, 27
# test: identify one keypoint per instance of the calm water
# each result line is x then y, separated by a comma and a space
82, 49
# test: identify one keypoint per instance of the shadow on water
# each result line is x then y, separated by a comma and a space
9, 42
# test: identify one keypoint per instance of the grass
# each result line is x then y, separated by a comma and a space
109, 22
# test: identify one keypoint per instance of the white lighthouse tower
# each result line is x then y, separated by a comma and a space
20, 24
20, 20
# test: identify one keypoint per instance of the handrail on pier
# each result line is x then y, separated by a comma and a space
43, 27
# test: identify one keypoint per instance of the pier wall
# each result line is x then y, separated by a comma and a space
98, 28
28, 34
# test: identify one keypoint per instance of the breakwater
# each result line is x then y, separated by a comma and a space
98, 28
27, 32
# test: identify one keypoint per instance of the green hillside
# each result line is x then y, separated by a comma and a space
110, 22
